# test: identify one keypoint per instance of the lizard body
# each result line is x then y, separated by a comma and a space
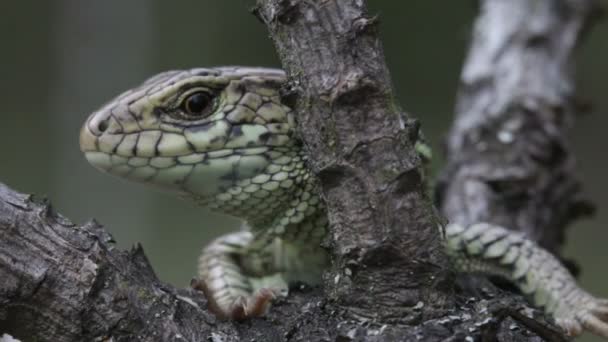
222, 137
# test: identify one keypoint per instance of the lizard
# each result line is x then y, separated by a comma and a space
224, 138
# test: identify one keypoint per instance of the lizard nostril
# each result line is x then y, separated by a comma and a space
102, 126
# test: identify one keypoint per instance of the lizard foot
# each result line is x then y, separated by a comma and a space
592, 316
254, 306
241, 307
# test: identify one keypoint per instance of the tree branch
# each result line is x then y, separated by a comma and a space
384, 228
509, 157
62, 282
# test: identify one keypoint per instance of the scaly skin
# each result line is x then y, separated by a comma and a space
222, 138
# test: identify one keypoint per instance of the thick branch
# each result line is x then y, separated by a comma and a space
384, 229
62, 282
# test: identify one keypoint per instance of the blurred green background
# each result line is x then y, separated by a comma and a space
62, 59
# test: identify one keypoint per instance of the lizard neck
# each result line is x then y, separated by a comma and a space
303, 217
282, 198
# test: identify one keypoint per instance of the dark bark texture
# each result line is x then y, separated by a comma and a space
384, 228
509, 163
62, 282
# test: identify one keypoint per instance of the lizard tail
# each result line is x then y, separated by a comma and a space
490, 249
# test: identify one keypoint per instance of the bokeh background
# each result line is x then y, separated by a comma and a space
60, 60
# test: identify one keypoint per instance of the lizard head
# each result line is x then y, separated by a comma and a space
219, 136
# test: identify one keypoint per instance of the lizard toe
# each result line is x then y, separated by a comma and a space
595, 317
255, 306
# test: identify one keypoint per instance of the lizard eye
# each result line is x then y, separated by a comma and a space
197, 105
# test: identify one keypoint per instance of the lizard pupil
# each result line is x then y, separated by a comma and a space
197, 104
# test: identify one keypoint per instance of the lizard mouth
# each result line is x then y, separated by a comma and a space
112, 162
221, 166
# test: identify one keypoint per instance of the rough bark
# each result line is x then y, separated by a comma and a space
384, 227
62, 282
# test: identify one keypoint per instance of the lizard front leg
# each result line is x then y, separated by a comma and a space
241, 273
237, 281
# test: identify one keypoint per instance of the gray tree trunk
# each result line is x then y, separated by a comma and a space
509, 156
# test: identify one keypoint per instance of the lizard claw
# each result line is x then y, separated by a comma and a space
595, 318
242, 307
255, 306
592, 317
